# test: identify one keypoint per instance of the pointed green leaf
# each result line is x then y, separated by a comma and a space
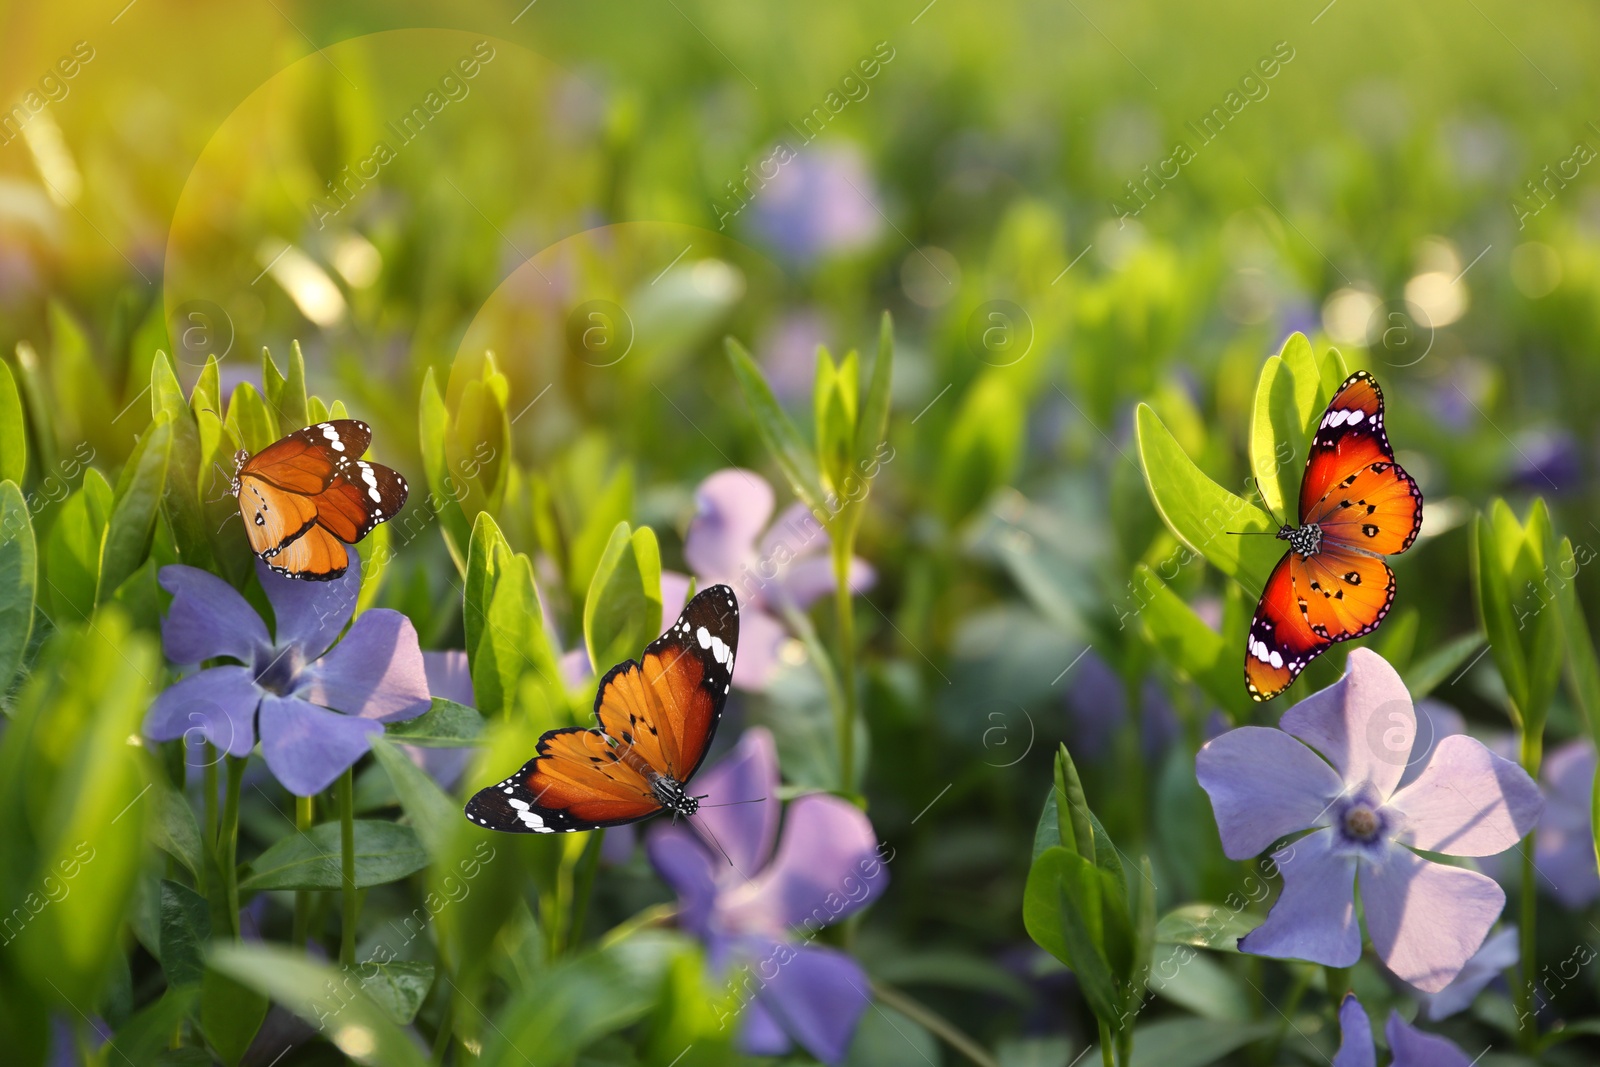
398, 987
1185, 641
623, 611
74, 547
1077, 832
13, 430
19, 580
1428, 671
174, 829
445, 492
433, 815
983, 448
872, 428
777, 432
444, 725
385, 852
132, 525
250, 419
1583, 669
36, 395
1063, 911
185, 929
1201, 513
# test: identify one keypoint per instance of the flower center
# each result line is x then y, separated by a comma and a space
278, 669
1361, 822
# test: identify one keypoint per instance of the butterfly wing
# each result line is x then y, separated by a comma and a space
666, 707
1342, 594
273, 518
315, 556
361, 496
578, 781
1352, 485
1281, 640
307, 461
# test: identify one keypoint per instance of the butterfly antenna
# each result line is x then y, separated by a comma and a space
703, 828
231, 516
1261, 506
729, 803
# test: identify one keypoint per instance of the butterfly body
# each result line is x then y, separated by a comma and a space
656, 717
1356, 506
308, 494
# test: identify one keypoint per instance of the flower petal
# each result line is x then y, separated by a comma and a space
746, 782
731, 507
1435, 722
443, 765
759, 1032
1315, 915
449, 676
689, 870
1569, 770
1356, 1047
761, 641
208, 618
818, 996
1426, 919
219, 702
1263, 784
376, 672
674, 594
307, 747
1413, 1048
1497, 954
1564, 854
796, 533
826, 868
311, 614
804, 581
1364, 723
1467, 801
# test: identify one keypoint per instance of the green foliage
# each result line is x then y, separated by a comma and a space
513, 665
13, 431
385, 852
623, 611
777, 431
19, 581
1514, 580
445, 725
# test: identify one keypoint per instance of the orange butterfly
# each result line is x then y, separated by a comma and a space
657, 718
1356, 506
304, 495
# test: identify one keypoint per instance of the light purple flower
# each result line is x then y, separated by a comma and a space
757, 898
1564, 850
1425, 919
788, 566
1410, 1047
1487, 964
449, 678
314, 707
823, 201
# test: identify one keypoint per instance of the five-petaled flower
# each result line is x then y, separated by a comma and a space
1410, 1047
281, 688
789, 567
757, 899
1425, 919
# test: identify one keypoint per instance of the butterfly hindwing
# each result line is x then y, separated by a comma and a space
1281, 640
314, 556
657, 718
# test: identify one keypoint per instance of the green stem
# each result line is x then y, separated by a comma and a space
1338, 979
209, 787
1107, 1052
441, 1040
347, 846
1528, 1027
588, 867
303, 815
228, 845
843, 551
934, 1023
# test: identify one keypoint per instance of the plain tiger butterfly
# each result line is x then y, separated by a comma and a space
656, 716
302, 496
1356, 506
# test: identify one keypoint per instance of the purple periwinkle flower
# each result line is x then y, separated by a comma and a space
1410, 1047
1564, 851
757, 898
1497, 955
313, 704
788, 566
821, 202
1333, 769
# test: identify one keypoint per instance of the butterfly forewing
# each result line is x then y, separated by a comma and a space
657, 719
1366, 507
307, 460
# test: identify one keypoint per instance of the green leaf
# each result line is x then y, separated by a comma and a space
331, 1000
1583, 669
872, 427
1276, 434
287, 395
1425, 674
398, 987
623, 611
73, 549
1064, 910
175, 830
19, 581
1201, 513
13, 430
611, 505
777, 432
1077, 832
132, 525
385, 852
181, 501
445, 493
36, 395
444, 725
1047, 832
835, 400
1213, 926
253, 424
1199, 984
434, 816
185, 929
231, 1015
507, 648
1143, 915
1193, 1042
983, 448
1184, 640
82, 399
144, 1037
